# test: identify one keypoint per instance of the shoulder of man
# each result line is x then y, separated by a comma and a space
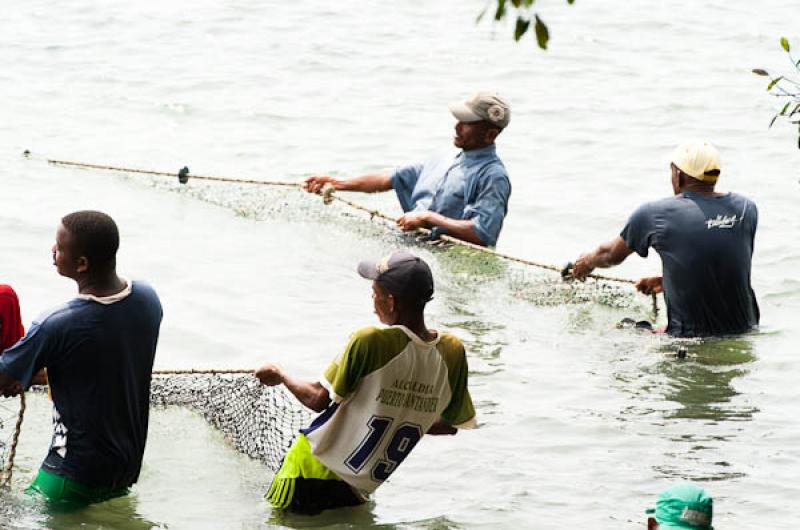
739, 197
451, 349
58, 315
494, 168
48, 325
658, 205
372, 337
145, 290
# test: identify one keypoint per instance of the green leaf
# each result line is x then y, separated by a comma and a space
522, 27
542, 35
759, 71
785, 108
516, 3
774, 82
785, 43
480, 15
570, 2
501, 9
527, 3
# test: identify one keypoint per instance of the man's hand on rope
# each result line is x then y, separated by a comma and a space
9, 386
270, 375
583, 266
413, 220
650, 285
315, 183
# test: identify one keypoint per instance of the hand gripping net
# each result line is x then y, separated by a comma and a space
259, 421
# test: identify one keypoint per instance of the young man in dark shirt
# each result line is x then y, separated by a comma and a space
98, 350
705, 240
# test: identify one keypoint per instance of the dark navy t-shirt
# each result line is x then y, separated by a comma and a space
99, 360
706, 247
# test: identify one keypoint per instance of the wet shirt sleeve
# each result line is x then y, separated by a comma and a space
460, 413
29, 355
489, 207
640, 231
403, 180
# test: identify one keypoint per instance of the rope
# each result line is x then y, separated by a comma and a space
329, 196
204, 371
12, 452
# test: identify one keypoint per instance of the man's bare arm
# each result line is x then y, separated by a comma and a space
371, 183
606, 255
461, 229
312, 395
40, 377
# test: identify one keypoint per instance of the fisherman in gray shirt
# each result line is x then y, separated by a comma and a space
705, 240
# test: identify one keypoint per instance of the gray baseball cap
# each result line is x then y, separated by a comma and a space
483, 106
402, 273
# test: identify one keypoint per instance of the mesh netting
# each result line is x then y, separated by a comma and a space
259, 421
288, 204
10, 410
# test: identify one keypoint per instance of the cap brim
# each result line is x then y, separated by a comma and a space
369, 270
462, 113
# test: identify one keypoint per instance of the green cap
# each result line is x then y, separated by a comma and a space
684, 506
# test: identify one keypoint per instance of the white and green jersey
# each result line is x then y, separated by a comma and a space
388, 388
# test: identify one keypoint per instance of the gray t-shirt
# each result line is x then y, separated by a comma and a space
706, 248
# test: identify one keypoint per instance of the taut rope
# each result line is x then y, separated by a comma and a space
328, 196
210, 371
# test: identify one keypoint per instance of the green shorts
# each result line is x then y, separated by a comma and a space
68, 493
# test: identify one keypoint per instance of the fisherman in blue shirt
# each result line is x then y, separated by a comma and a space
705, 241
463, 194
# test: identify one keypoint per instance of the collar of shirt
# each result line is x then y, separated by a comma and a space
477, 156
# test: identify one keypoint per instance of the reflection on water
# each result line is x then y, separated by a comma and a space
355, 517
351, 517
120, 513
701, 383
690, 406
26, 511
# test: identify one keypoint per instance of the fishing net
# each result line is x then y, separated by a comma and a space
258, 421
11, 411
282, 200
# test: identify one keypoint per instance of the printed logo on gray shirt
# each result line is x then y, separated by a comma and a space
721, 221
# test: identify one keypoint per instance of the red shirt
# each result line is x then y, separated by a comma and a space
11, 329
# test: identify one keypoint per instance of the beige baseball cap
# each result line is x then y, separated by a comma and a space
483, 106
698, 159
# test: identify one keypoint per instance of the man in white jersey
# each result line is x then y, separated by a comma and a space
378, 398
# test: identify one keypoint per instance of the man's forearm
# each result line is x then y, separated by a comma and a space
609, 254
312, 395
371, 183
464, 230
601, 257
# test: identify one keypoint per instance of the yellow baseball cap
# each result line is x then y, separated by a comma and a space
698, 159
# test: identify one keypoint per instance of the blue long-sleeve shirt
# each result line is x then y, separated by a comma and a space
464, 185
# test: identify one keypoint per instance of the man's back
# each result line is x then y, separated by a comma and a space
99, 357
706, 245
390, 387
